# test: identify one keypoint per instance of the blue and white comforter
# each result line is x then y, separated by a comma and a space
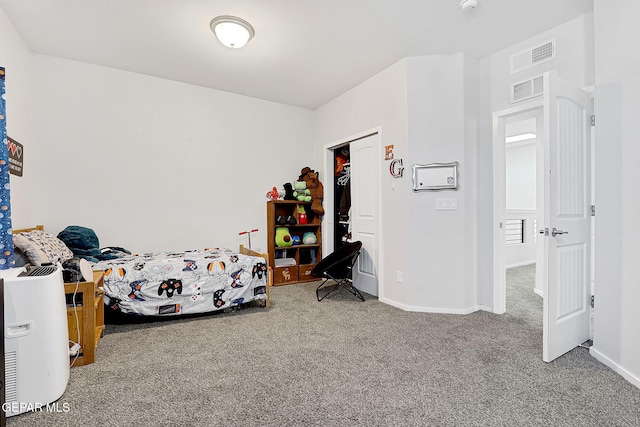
175, 283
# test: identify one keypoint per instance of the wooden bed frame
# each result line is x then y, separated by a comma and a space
24, 230
243, 250
248, 251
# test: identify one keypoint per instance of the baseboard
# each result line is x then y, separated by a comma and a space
438, 310
633, 379
537, 292
520, 264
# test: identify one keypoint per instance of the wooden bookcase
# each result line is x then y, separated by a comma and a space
86, 319
302, 257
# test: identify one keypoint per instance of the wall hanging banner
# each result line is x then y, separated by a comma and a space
16, 156
6, 236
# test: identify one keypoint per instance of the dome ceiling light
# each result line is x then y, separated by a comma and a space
232, 32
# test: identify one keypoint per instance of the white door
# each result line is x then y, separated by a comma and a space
365, 189
568, 211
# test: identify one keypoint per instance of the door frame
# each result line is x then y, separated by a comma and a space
329, 177
499, 208
499, 199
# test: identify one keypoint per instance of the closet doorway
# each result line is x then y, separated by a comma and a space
353, 203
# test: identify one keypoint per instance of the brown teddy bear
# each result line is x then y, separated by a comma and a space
315, 186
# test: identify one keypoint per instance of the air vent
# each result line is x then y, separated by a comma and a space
533, 56
11, 376
43, 270
526, 89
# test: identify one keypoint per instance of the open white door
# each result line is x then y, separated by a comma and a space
365, 211
567, 231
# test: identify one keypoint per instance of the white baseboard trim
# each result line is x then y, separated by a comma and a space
520, 264
439, 310
538, 292
633, 379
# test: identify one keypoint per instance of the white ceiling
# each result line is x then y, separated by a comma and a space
304, 53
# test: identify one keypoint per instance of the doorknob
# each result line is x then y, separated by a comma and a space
555, 232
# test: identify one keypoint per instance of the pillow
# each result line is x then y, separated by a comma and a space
41, 248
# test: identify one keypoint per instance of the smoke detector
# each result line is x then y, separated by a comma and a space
468, 5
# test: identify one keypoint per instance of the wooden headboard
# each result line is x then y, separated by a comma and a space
21, 230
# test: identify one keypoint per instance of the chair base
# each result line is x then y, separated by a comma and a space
344, 283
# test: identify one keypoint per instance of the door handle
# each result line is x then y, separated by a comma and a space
555, 232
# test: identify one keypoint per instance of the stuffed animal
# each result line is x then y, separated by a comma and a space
283, 237
288, 191
301, 193
274, 194
315, 187
309, 238
302, 215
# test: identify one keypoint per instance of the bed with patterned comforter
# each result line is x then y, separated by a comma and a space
179, 283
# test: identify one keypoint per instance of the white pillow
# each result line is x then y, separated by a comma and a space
42, 248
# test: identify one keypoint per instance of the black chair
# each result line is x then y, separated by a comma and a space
338, 266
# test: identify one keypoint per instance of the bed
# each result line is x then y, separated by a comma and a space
184, 282
169, 283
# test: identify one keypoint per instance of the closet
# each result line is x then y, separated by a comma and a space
353, 202
342, 196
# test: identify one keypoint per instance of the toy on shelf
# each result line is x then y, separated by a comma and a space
301, 193
274, 194
283, 237
286, 219
288, 191
315, 187
302, 215
309, 238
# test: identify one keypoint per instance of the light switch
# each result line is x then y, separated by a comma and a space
446, 204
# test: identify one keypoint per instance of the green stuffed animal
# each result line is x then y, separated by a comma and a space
283, 237
301, 192
309, 238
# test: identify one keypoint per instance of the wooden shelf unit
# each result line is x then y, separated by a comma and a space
86, 320
305, 256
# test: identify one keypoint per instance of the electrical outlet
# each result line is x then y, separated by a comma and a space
399, 276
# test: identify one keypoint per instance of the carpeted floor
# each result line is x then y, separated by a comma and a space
342, 362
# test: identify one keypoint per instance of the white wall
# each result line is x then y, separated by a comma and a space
520, 161
521, 176
440, 242
15, 57
617, 94
420, 105
153, 164
380, 101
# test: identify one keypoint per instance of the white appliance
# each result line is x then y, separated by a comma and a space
36, 338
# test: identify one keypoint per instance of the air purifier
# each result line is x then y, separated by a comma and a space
36, 338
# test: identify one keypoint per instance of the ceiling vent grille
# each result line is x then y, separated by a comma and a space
526, 89
533, 56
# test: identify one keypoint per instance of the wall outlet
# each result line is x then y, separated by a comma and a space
399, 276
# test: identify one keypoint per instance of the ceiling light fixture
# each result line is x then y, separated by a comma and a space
468, 5
521, 137
232, 32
